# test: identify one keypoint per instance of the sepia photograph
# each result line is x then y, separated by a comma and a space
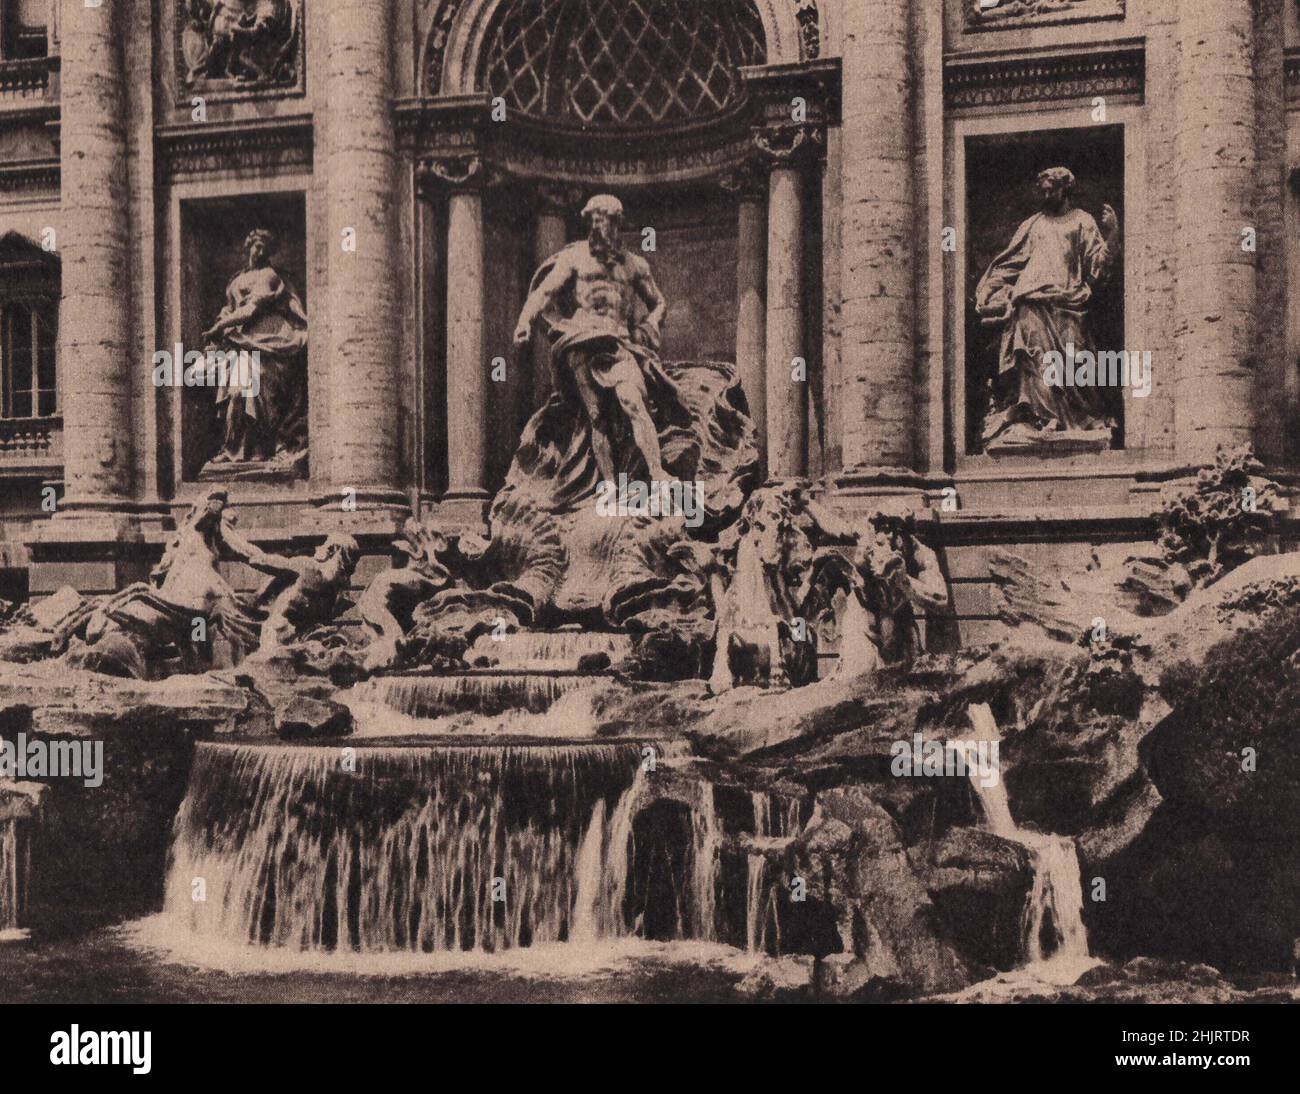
731, 502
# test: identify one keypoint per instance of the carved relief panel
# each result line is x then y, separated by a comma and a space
980, 15
230, 49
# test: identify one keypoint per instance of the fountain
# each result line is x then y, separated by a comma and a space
1054, 937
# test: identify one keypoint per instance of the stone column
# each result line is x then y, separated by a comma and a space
877, 229
95, 343
361, 185
751, 295
467, 366
785, 395
550, 235
1215, 290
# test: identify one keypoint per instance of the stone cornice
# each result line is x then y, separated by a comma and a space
270, 144
979, 80
773, 88
443, 122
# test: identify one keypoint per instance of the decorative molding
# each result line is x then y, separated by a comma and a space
444, 127
789, 145
445, 124
774, 87
748, 181
435, 56
985, 15
29, 180
810, 28
273, 46
1015, 80
31, 440
272, 145
434, 174
25, 80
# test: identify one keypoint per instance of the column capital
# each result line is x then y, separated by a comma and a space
790, 146
454, 173
747, 180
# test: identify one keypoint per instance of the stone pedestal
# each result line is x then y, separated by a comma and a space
363, 347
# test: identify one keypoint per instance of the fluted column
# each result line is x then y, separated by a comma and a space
361, 183
1215, 291
877, 230
95, 344
467, 366
787, 150
751, 294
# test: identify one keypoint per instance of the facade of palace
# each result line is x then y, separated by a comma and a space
818, 185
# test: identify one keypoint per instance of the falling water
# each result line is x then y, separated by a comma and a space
482, 692
706, 850
15, 868
420, 849
1054, 938
776, 820
446, 848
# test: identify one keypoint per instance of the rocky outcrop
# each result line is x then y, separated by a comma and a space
979, 883
856, 867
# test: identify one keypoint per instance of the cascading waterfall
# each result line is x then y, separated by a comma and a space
524, 651
607, 856
425, 849
14, 871
483, 692
420, 849
1054, 937
775, 820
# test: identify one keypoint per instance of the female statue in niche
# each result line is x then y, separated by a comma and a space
263, 408
1039, 291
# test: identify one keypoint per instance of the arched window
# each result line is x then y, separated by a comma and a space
621, 63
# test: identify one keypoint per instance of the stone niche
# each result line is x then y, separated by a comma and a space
213, 237
694, 261
1000, 174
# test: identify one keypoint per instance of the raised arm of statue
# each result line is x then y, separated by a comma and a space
1101, 246
238, 549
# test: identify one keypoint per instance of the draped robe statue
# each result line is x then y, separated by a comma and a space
264, 416
1038, 290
